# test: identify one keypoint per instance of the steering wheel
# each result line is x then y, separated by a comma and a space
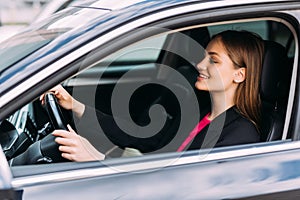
54, 112
46, 149
48, 146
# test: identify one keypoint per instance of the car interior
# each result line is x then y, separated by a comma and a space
178, 50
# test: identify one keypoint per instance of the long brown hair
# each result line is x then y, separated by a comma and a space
246, 49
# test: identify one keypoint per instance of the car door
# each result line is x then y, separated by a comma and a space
263, 170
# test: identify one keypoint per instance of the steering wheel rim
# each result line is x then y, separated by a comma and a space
54, 112
48, 146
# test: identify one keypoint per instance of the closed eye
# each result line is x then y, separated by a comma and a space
212, 61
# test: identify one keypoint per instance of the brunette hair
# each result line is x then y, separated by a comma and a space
246, 49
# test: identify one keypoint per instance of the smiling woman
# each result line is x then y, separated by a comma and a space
186, 88
233, 59
244, 54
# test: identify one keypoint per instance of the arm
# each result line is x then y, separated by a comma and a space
109, 134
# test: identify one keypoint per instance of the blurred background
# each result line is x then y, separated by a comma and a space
16, 14
20, 12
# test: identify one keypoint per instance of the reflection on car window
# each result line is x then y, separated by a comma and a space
268, 30
20, 46
259, 27
147, 50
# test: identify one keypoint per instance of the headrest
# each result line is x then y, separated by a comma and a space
184, 48
274, 62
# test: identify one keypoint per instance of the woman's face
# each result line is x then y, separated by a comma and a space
216, 71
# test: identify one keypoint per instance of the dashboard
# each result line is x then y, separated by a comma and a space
19, 131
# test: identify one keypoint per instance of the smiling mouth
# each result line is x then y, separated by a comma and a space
203, 76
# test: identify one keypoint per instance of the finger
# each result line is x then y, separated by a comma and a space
64, 141
61, 133
70, 129
42, 97
67, 156
66, 149
56, 93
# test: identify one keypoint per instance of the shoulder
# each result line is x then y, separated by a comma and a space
237, 130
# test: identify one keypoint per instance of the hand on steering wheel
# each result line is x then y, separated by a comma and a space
54, 112
65, 100
46, 149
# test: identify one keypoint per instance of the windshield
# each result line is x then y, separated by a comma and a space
42, 33
22, 45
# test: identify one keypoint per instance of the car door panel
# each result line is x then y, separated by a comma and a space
234, 177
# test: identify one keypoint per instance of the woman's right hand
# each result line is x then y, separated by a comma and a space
65, 100
75, 147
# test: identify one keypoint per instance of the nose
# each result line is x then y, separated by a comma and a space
202, 65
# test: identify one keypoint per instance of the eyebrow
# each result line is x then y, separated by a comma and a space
213, 53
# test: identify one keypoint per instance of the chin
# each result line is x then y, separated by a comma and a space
201, 86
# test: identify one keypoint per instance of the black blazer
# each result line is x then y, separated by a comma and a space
229, 128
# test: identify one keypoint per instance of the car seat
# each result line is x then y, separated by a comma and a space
181, 53
274, 90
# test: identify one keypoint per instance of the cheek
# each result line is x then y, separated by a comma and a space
220, 78
223, 72
215, 73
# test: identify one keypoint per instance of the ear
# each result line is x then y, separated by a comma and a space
239, 75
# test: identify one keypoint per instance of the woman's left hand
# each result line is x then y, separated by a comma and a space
76, 148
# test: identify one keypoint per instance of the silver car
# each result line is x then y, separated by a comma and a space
135, 59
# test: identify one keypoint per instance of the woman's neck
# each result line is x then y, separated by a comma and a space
221, 101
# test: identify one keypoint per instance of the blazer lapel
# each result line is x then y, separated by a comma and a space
212, 133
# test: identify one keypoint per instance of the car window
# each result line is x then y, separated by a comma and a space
19, 47
148, 87
147, 50
268, 30
259, 27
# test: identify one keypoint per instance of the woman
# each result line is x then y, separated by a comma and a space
230, 71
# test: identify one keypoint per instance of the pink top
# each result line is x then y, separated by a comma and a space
202, 124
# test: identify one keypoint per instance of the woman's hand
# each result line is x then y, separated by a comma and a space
65, 100
76, 148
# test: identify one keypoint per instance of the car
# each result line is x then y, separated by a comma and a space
135, 60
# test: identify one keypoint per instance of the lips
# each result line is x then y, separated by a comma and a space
203, 76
